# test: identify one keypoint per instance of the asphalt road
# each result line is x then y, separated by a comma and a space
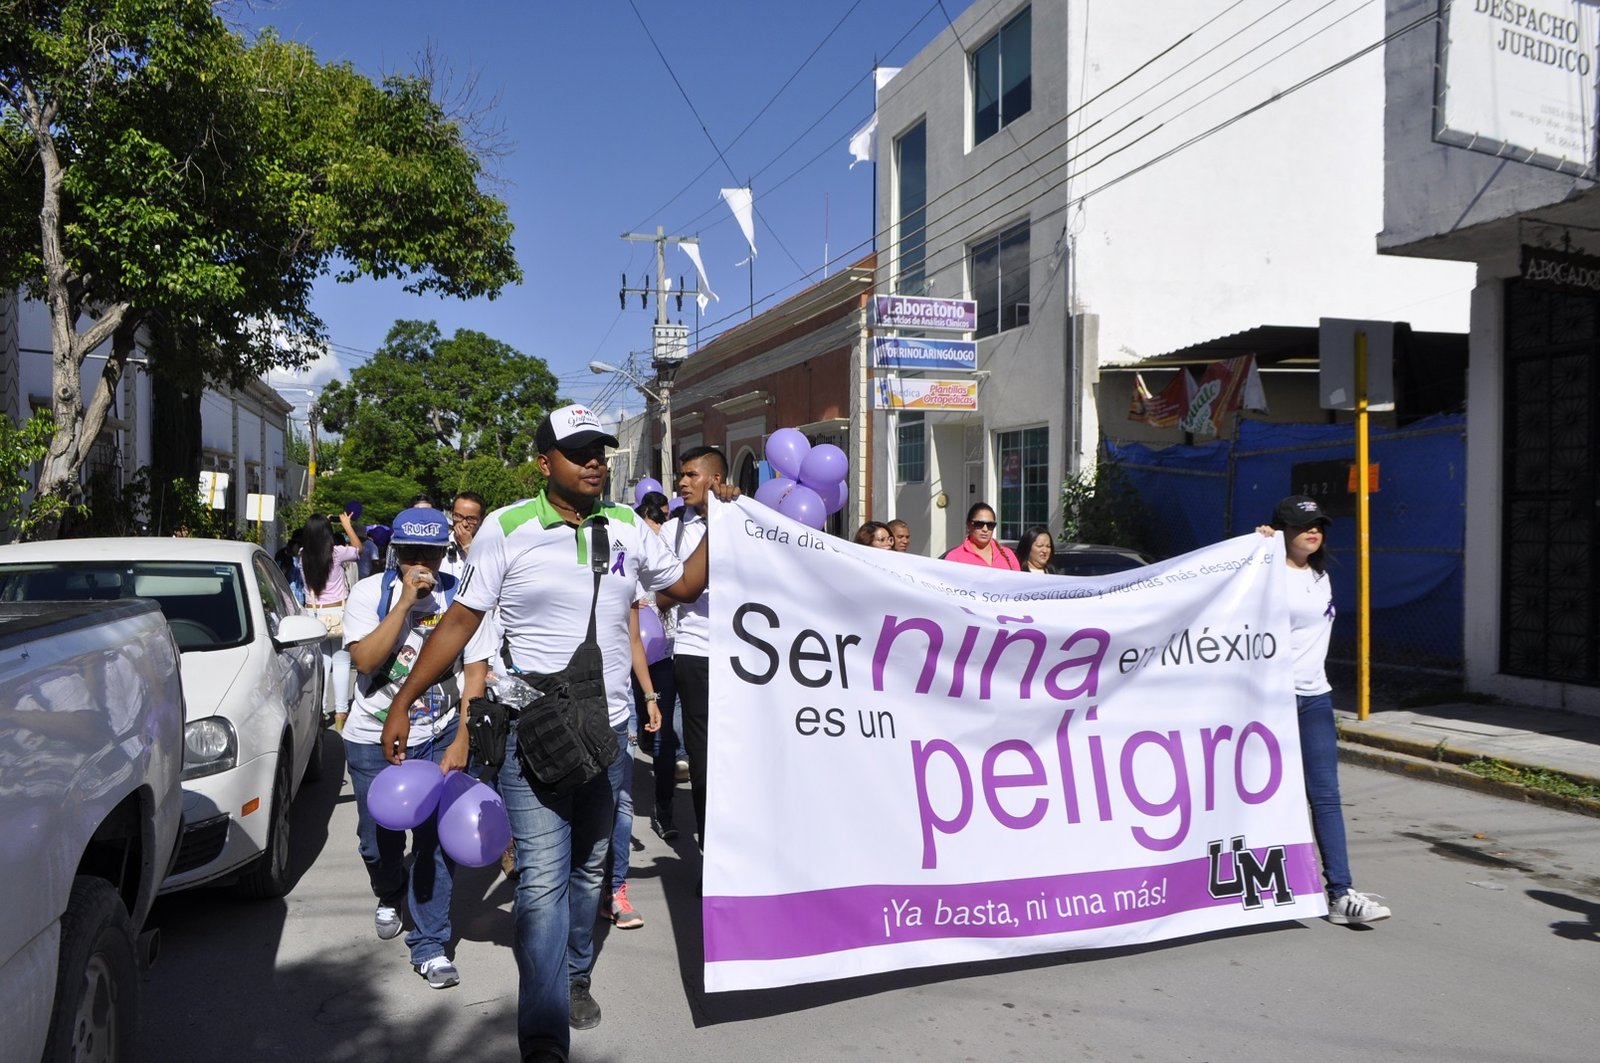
1493, 954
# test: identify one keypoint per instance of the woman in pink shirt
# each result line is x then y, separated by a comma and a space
979, 547
322, 561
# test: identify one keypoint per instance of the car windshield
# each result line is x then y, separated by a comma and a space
203, 601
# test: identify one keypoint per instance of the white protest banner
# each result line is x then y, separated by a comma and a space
916, 762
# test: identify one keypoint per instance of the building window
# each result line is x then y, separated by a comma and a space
1002, 77
911, 195
911, 449
1024, 468
1000, 281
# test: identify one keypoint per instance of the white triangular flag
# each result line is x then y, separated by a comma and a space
1255, 396
742, 202
706, 294
864, 144
881, 76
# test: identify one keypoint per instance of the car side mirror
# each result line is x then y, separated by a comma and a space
299, 631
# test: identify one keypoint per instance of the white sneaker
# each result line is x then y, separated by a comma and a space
1357, 908
683, 771
440, 972
386, 921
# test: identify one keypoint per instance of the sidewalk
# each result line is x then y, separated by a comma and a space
1431, 742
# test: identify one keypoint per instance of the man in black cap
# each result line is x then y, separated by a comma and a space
536, 563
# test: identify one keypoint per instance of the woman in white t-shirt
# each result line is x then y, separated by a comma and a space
1304, 527
386, 620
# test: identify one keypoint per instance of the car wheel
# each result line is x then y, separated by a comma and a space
314, 765
268, 877
97, 979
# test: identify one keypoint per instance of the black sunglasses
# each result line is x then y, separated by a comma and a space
419, 553
981, 524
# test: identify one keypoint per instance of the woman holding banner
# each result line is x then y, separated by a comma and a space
979, 547
1311, 613
1036, 548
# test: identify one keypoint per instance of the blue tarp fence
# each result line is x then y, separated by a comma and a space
1200, 494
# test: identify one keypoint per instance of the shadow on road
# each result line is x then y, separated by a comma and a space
221, 992
1586, 929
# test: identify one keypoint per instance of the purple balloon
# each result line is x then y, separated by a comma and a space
652, 635
674, 504
825, 466
786, 451
771, 493
404, 795
834, 496
456, 783
475, 830
804, 507
644, 487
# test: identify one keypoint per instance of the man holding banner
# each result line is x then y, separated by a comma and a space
701, 471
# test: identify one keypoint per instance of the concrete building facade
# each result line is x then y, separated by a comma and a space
1115, 182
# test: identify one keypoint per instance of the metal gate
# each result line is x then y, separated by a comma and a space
1548, 583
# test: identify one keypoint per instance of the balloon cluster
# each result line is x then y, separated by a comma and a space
649, 484
473, 827
810, 484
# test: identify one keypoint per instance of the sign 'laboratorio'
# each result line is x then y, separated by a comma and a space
924, 312
1518, 80
990, 764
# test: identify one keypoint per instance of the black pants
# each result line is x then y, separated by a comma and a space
694, 692
663, 745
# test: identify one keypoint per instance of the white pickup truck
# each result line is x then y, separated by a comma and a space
91, 747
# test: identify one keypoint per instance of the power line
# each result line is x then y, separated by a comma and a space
897, 86
764, 108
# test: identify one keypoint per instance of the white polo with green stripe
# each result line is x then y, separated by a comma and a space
533, 566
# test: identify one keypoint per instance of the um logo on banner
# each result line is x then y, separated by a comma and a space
1250, 876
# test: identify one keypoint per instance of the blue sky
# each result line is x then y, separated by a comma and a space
598, 140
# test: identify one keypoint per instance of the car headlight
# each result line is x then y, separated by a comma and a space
209, 746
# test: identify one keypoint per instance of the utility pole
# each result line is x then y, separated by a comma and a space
670, 343
311, 452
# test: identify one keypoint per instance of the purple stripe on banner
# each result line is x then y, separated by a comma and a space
854, 917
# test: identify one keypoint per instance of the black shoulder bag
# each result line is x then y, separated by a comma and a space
564, 735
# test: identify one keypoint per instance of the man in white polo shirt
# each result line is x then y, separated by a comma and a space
532, 561
701, 470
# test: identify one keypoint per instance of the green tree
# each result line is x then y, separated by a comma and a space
426, 406
1102, 506
161, 173
380, 494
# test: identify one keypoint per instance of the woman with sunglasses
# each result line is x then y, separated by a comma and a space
979, 547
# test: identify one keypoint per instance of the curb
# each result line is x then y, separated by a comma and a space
1395, 756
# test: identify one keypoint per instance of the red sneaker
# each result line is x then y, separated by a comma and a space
623, 914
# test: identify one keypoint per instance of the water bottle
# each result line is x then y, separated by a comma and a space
512, 690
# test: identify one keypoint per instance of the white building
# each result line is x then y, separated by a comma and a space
1116, 181
242, 433
1473, 163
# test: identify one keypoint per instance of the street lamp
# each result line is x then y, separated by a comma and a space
663, 397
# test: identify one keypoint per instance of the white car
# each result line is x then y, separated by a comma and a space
252, 684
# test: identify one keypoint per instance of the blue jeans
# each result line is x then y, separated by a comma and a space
561, 856
1319, 757
621, 774
427, 890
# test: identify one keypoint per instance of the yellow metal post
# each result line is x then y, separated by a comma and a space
1363, 542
